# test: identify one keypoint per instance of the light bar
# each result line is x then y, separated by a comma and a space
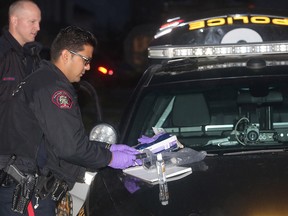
171, 51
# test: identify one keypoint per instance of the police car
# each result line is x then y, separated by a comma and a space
219, 83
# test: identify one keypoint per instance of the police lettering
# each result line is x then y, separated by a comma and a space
237, 19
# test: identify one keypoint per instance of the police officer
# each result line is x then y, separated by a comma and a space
19, 52
45, 132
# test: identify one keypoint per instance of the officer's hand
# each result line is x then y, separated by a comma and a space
122, 160
123, 148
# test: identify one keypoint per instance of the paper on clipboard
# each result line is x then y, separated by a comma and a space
150, 175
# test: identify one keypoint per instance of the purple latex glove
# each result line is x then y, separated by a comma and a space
122, 160
144, 139
123, 148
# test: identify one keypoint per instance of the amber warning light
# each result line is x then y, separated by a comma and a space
105, 70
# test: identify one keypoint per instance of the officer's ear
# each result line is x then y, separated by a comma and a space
13, 20
65, 54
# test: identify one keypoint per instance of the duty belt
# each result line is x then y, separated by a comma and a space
28, 184
25, 184
50, 185
44, 185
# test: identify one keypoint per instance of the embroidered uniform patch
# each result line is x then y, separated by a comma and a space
8, 78
62, 99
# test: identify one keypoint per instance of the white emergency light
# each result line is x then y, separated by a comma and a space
174, 51
103, 133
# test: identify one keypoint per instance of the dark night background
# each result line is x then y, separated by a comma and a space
124, 29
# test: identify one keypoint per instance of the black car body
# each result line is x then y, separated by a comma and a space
227, 97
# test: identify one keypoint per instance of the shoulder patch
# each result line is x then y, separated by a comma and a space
62, 99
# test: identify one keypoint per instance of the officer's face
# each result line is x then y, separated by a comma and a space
78, 63
25, 23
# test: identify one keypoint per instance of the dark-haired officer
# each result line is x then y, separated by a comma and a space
46, 133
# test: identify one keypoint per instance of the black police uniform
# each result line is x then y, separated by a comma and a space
44, 119
44, 110
16, 62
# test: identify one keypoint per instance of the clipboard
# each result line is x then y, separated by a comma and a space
150, 175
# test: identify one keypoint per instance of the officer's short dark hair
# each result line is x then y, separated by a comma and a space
71, 38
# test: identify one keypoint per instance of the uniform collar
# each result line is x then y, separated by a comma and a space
56, 70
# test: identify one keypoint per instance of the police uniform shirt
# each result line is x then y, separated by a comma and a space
44, 109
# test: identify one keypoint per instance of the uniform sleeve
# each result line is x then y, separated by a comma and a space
61, 122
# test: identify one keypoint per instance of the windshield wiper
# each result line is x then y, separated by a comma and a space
256, 151
245, 151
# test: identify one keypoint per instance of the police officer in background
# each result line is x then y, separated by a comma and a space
45, 139
19, 56
19, 52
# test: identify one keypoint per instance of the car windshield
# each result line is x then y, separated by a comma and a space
242, 113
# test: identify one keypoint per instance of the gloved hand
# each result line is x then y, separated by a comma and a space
144, 139
123, 148
122, 160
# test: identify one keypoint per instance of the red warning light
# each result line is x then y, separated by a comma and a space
110, 72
